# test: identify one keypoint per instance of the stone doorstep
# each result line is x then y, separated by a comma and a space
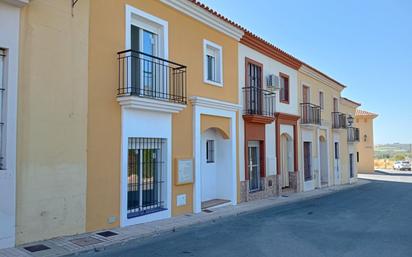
91, 242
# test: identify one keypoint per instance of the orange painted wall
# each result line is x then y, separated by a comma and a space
107, 37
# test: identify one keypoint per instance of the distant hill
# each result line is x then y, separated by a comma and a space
393, 151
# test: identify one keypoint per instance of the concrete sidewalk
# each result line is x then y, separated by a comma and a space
394, 172
98, 241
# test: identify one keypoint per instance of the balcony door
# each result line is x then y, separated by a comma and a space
306, 107
254, 87
306, 96
335, 105
145, 45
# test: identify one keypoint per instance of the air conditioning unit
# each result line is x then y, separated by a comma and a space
273, 82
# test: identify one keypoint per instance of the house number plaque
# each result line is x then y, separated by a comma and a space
184, 171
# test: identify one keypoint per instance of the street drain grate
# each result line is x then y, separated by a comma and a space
36, 248
107, 233
86, 241
285, 196
207, 211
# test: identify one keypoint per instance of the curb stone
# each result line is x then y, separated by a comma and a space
65, 247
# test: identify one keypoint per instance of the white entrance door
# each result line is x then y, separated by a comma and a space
254, 165
209, 166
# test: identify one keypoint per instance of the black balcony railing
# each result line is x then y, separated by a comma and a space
258, 101
353, 134
311, 114
149, 76
339, 120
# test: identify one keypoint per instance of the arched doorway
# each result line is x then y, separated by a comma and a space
324, 171
286, 159
215, 169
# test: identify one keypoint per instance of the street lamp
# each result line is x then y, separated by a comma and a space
350, 121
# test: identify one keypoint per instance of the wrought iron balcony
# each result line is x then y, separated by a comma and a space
310, 114
339, 120
353, 135
259, 102
148, 76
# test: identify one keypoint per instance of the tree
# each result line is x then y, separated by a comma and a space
399, 157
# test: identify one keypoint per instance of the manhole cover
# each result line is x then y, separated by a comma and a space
86, 241
36, 248
107, 234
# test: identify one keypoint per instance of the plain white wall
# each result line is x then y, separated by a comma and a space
150, 124
9, 40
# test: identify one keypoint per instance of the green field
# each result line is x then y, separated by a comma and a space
393, 151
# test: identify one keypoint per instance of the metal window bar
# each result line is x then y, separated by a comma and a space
339, 120
2, 108
146, 167
149, 76
311, 114
353, 134
210, 151
258, 101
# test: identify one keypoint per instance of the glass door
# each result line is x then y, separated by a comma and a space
254, 84
144, 44
254, 166
144, 176
149, 48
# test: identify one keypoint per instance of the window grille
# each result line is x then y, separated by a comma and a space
145, 176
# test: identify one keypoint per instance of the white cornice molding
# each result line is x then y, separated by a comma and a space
134, 102
215, 104
206, 17
18, 3
315, 75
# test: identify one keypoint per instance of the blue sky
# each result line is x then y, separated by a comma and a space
366, 45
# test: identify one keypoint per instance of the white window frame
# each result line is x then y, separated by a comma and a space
151, 23
219, 63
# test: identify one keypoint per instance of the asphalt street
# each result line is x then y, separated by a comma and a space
370, 220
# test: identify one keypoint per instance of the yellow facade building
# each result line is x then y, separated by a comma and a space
326, 142
120, 117
365, 154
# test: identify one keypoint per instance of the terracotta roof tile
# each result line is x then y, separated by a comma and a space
365, 113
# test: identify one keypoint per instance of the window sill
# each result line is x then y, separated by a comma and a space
146, 212
284, 102
213, 83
